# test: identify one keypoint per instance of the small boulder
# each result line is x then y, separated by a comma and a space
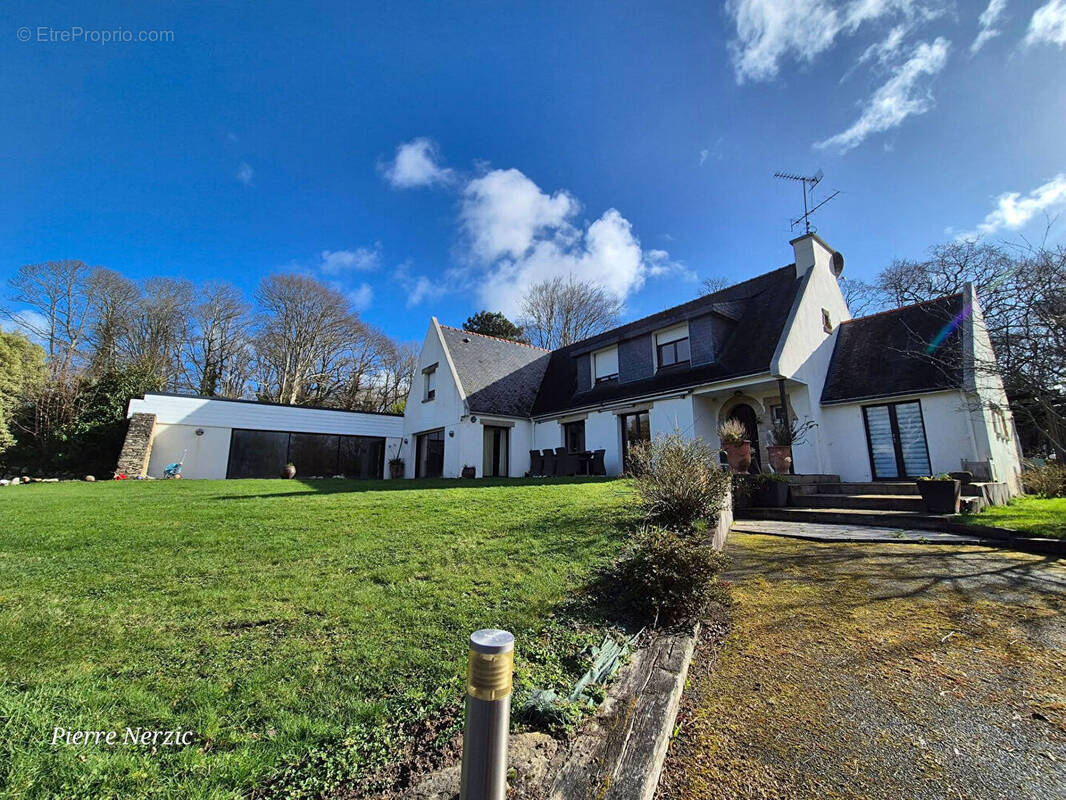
89, 479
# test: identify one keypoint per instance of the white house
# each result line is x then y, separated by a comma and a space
893, 395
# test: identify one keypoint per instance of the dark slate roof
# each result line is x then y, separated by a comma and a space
758, 308
498, 376
886, 354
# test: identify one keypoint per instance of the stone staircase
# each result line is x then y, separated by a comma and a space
828, 500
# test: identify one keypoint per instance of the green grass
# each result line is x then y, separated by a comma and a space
1029, 516
295, 627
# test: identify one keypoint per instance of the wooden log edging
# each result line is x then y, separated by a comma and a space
619, 755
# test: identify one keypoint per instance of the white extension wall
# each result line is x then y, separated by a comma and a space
947, 430
206, 455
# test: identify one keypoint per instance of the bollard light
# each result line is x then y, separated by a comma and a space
490, 666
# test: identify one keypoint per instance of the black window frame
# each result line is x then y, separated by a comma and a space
567, 428
661, 348
427, 379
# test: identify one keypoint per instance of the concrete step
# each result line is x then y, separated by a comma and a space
875, 502
877, 487
851, 516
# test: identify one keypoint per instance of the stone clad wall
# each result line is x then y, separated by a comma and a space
133, 460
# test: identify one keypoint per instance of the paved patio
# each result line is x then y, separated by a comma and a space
852, 533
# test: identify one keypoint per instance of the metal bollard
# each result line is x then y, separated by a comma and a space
488, 715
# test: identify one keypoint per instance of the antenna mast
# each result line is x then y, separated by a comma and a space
809, 182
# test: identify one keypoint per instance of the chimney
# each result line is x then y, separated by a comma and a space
812, 252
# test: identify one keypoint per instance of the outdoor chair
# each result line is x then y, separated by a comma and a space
549, 463
565, 463
598, 467
536, 463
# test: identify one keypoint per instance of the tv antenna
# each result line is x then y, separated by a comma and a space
809, 182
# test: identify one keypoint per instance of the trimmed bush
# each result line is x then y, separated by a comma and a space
669, 576
1046, 481
678, 481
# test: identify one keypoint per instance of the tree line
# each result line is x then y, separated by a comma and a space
105, 338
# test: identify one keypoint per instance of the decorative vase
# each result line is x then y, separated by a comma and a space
780, 458
739, 456
288, 471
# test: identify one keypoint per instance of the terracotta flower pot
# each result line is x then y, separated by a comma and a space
739, 456
780, 457
288, 471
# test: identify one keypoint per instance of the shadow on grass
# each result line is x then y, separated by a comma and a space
351, 486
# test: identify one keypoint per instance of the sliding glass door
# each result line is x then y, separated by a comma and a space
895, 436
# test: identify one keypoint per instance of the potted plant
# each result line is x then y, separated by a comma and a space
940, 493
396, 467
782, 437
735, 442
469, 471
288, 471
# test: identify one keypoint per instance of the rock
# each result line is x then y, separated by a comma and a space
15, 481
4, 481
49, 480
89, 478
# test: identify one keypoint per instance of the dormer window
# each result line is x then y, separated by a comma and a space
605, 365
827, 321
672, 347
429, 383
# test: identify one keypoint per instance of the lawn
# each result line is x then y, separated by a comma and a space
1030, 516
302, 630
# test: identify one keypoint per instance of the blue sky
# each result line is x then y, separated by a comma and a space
433, 158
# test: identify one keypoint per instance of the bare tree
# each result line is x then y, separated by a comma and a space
114, 300
157, 336
861, 297
713, 284
560, 311
57, 293
218, 351
305, 326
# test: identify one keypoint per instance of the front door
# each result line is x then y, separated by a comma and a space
494, 457
746, 414
895, 436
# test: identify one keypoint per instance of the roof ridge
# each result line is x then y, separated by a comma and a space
496, 338
904, 308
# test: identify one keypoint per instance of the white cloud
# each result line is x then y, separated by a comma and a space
703, 156
519, 235
769, 31
362, 259
987, 24
1013, 211
245, 173
900, 97
420, 288
416, 165
886, 50
362, 297
1048, 25
504, 211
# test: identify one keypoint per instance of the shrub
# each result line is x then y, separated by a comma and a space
678, 481
1048, 480
732, 432
669, 576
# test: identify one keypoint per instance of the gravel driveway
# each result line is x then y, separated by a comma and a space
878, 671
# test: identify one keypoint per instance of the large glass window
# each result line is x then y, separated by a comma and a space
429, 454
575, 436
673, 353
429, 383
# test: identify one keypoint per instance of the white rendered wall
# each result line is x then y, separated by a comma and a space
947, 431
206, 456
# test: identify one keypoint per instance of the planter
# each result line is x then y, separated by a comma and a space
395, 469
739, 456
772, 494
288, 471
940, 496
780, 456
469, 472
